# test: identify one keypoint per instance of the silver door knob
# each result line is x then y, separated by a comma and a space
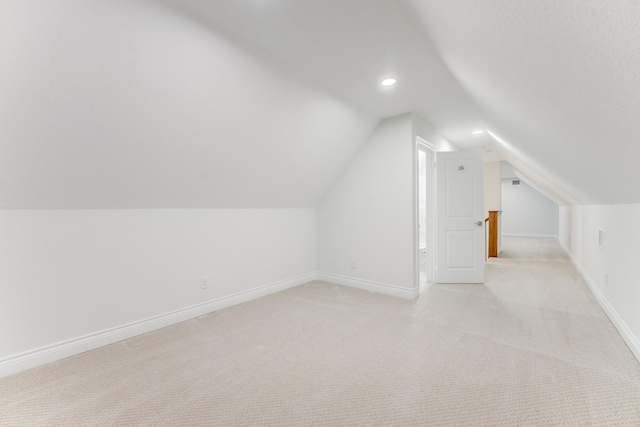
479, 223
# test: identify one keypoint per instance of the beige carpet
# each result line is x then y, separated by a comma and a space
529, 347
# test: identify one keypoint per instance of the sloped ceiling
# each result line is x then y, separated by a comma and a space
558, 82
129, 104
348, 47
261, 103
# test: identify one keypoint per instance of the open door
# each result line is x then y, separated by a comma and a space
460, 196
426, 251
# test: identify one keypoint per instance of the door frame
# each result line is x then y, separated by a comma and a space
426, 146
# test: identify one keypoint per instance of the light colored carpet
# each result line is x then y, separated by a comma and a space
529, 347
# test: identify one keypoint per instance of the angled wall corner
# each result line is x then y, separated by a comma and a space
365, 221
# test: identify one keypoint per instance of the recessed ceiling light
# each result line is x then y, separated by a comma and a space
388, 82
478, 132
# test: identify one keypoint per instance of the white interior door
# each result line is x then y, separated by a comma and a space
460, 188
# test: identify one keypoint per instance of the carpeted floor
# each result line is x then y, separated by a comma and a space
529, 347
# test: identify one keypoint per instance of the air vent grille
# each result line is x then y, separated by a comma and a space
515, 182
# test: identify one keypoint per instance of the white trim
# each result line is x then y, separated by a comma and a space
40, 356
632, 342
426, 286
426, 146
368, 285
537, 236
422, 141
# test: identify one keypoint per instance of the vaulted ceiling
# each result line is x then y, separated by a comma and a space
557, 81
262, 103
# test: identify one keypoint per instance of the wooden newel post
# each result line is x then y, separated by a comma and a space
492, 251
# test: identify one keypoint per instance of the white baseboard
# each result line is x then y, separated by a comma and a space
367, 285
40, 356
424, 287
632, 342
539, 236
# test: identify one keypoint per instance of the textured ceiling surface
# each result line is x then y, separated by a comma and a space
226, 103
558, 81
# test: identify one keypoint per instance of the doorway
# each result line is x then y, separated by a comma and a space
425, 188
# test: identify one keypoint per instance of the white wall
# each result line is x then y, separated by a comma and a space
612, 271
423, 129
564, 226
367, 222
368, 215
527, 212
492, 187
68, 274
493, 195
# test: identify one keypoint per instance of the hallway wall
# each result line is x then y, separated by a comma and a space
526, 212
604, 242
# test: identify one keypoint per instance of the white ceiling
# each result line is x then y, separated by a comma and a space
557, 81
125, 104
261, 103
347, 48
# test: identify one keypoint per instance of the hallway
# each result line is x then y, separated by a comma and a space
536, 336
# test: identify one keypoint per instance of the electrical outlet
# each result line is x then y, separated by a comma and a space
606, 280
204, 283
353, 263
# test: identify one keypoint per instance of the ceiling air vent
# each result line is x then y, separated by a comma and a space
515, 182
